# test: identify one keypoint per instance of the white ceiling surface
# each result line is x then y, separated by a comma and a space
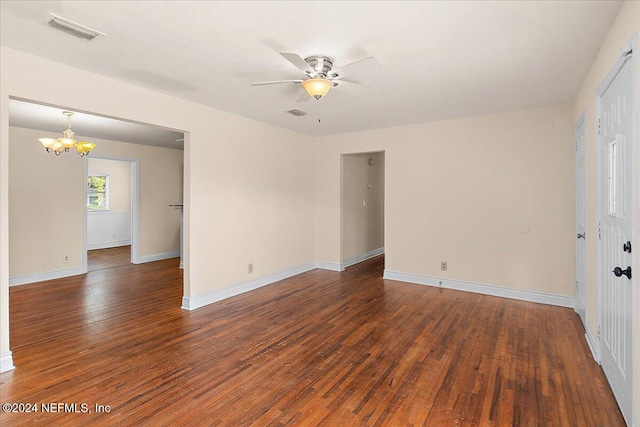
87, 126
440, 60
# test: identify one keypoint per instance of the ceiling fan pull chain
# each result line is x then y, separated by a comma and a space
318, 109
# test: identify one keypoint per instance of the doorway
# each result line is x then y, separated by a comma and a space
617, 222
111, 215
60, 249
362, 207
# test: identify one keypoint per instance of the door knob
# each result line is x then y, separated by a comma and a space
581, 236
627, 247
619, 272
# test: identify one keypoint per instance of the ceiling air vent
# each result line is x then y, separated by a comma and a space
296, 112
73, 28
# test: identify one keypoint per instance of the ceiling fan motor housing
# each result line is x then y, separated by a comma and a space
320, 64
320, 75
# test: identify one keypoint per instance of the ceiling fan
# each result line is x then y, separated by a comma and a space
321, 76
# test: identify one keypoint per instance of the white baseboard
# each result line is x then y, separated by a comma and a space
362, 257
6, 362
156, 257
105, 245
201, 300
532, 296
592, 341
50, 275
325, 265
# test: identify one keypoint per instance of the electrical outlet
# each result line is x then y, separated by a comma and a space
443, 265
66, 258
250, 267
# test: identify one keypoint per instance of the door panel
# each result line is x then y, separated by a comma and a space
616, 228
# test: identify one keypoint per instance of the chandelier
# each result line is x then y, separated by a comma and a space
58, 145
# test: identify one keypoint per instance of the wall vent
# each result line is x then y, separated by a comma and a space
296, 112
73, 28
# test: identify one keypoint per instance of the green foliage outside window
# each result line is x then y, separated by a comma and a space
97, 192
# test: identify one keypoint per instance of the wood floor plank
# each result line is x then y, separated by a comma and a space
100, 259
320, 348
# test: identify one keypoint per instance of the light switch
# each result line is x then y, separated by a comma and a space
364, 203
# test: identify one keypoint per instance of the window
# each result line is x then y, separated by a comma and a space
613, 162
98, 193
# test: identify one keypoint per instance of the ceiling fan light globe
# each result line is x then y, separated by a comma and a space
317, 88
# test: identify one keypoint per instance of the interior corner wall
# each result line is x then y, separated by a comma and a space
248, 187
362, 204
491, 195
625, 25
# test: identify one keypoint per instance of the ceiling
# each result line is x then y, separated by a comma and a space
439, 60
86, 126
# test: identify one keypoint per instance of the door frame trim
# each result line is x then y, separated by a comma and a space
633, 57
581, 121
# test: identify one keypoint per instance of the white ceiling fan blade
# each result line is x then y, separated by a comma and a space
349, 87
275, 82
357, 67
300, 63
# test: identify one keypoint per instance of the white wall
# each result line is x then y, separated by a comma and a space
46, 199
491, 195
248, 189
109, 229
362, 223
627, 22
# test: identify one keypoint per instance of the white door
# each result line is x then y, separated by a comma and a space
615, 142
581, 219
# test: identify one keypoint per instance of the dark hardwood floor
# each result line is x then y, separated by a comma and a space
321, 348
99, 259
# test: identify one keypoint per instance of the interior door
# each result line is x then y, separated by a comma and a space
615, 233
581, 218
